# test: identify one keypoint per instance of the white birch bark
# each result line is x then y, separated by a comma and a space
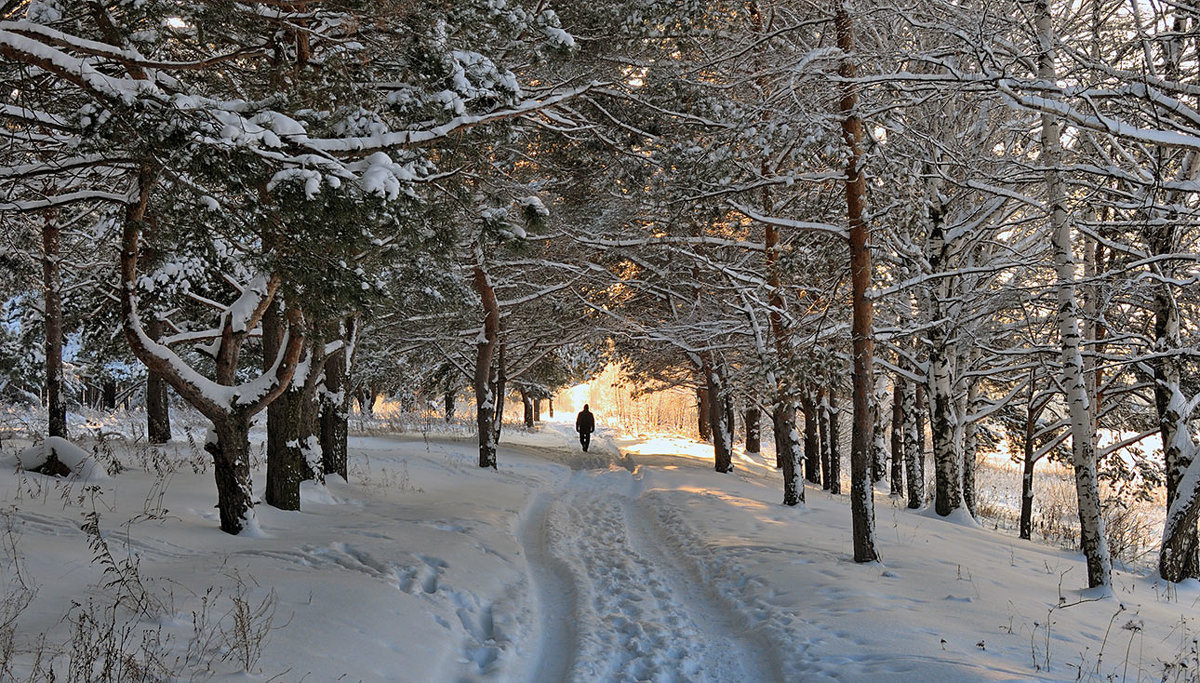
943, 420
1093, 540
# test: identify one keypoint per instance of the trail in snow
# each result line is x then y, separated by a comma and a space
639, 613
556, 598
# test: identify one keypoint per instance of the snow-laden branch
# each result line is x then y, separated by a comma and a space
39, 118
667, 241
407, 138
1095, 121
65, 199
127, 56
81, 72
807, 226
53, 166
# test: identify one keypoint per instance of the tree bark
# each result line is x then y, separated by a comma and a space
158, 407
823, 421
897, 443
812, 439
499, 391
914, 449
1025, 530
333, 418
942, 420
1083, 454
285, 463
835, 450
787, 452
722, 444
231, 463
753, 432
485, 402
53, 315
862, 504
1179, 556
878, 449
970, 449
703, 410
527, 407
335, 402
730, 420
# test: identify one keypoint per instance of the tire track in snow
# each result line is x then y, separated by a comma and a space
640, 614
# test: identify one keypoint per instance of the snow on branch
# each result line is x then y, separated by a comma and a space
33, 116
64, 199
81, 72
808, 226
406, 138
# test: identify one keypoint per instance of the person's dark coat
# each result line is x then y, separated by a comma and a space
585, 422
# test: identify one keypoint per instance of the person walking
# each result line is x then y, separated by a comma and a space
585, 424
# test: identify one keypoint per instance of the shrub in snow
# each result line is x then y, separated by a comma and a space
60, 458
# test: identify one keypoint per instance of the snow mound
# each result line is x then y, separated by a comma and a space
79, 462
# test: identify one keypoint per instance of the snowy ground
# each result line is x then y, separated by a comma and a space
633, 562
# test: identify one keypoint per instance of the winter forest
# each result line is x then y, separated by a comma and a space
913, 290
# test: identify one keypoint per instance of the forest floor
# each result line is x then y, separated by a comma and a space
633, 562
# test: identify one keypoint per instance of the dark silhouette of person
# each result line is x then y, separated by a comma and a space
585, 424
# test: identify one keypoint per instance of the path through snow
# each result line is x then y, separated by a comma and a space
617, 604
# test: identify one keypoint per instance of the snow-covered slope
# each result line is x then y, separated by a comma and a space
633, 562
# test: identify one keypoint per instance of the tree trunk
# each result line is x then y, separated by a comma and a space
158, 408
823, 418
308, 415
942, 420
52, 298
1178, 557
722, 445
812, 439
730, 419
787, 451
1028, 462
335, 402
862, 503
527, 407
499, 390
334, 423
878, 449
1083, 453
835, 450
970, 449
286, 468
753, 432
947, 476
550, 406
485, 404
449, 402
537, 410
915, 449
897, 443
783, 413
285, 463
231, 460
366, 400
230, 448
703, 412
